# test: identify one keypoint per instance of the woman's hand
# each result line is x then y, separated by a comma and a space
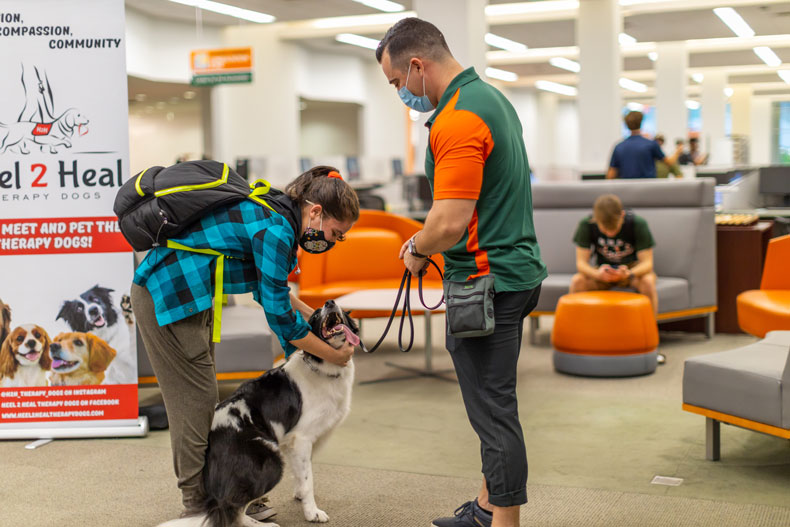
315, 346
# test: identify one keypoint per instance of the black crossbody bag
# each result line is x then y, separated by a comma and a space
470, 306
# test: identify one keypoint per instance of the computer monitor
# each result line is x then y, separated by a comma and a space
776, 180
352, 165
397, 167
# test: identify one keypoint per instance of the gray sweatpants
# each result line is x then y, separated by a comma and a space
182, 355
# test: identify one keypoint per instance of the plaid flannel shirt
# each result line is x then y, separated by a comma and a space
258, 247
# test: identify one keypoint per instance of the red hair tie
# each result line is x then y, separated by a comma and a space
334, 174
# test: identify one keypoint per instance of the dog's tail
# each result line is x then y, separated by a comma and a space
190, 521
220, 514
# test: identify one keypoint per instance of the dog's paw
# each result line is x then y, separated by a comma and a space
316, 516
126, 309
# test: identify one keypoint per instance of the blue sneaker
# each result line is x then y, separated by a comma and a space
467, 515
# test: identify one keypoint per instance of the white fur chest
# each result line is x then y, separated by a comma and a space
325, 391
26, 376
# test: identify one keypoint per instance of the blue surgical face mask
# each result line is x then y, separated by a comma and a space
421, 104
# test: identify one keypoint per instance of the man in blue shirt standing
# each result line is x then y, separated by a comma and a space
635, 156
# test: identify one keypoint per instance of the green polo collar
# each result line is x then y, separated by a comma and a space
465, 77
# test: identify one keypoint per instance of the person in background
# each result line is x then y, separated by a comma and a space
663, 167
693, 156
635, 156
614, 248
481, 221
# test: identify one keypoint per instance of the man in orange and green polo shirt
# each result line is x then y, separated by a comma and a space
481, 221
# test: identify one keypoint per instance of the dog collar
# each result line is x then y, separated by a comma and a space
317, 370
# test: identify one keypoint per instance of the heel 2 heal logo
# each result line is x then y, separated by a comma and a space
42, 130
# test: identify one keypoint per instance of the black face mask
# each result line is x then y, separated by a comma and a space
314, 241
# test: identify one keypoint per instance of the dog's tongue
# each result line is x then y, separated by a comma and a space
32, 355
57, 363
82, 130
99, 322
350, 335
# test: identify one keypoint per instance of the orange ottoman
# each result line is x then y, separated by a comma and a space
605, 334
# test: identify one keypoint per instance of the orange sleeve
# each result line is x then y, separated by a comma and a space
460, 147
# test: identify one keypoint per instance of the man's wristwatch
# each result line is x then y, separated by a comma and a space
413, 248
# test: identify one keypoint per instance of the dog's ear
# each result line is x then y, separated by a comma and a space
5, 323
46, 359
69, 118
7, 361
64, 309
5, 312
100, 353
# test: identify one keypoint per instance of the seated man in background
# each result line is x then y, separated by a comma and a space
623, 252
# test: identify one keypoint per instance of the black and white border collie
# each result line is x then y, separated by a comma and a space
94, 312
279, 417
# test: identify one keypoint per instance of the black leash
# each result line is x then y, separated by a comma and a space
405, 283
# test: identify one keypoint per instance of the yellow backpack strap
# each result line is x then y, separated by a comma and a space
218, 280
258, 191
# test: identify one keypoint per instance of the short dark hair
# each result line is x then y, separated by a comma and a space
607, 210
633, 120
409, 37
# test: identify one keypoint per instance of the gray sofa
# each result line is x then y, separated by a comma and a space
680, 214
747, 387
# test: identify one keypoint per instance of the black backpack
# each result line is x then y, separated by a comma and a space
160, 202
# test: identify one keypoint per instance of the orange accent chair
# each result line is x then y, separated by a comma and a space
768, 308
605, 334
368, 259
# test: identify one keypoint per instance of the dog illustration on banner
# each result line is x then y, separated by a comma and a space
94, 312
38, 122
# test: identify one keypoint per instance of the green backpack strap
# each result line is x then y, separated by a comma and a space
218, 280
260, 190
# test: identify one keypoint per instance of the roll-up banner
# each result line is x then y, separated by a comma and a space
68, 359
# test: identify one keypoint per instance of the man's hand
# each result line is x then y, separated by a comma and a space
607, 273
413, 264
625, 272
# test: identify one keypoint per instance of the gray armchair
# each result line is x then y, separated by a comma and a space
747, 387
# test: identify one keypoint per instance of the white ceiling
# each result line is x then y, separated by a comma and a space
686, 21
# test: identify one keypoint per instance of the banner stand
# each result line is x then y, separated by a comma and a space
137, 428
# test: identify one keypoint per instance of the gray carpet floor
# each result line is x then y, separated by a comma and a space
407, 454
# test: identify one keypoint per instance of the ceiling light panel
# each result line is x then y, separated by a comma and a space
357, 40
562, 89
504, 43
625, 39
734, 21
382, 5
225, 9
630, 85
502, 75
566, 64
768, 56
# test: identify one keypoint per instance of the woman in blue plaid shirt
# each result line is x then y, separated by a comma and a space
172, 297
